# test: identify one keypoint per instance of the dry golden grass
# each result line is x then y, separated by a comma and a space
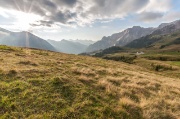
37, 84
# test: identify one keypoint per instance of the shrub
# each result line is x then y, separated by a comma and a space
126, 59
158, 67
110, 50
12, 73
162, 46
56, 81
28, 63
163, 58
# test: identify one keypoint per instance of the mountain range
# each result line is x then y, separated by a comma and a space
120, 39
135, 37
131, 36
26, 39
150, 43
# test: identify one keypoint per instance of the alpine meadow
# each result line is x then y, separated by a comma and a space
94, 59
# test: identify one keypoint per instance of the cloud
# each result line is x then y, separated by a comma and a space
42, 23
150, 16
157, 6
86, 12
63, 17
67, 2
115, 8
156, 10
170, 16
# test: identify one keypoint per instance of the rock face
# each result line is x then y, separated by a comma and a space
133, 33
120, 39
167, 28
23, 39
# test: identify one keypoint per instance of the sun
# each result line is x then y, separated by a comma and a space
24, 20
21, 21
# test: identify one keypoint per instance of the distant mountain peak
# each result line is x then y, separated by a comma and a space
67, 46
137, 27
166, 28
166, 24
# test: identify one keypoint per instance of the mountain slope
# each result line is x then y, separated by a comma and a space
69, 47
24, 39
120, 39
4, 33
38, 84
157, 41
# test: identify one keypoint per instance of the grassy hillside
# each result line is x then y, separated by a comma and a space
37, 84
164, 63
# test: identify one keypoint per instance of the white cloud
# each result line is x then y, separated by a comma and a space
157, 6
154, 11
150, 16
170, 16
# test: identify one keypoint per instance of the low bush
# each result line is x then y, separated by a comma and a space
163, 58
126, 59
158, 67
28, 63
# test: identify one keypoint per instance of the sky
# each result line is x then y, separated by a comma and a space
84, 19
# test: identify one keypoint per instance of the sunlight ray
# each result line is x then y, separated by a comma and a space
27, 43
17, 5
24, 7
27, 40
31, 6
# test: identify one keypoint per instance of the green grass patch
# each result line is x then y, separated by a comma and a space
177, 63
6, 48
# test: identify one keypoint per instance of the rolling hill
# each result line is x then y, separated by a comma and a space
38, 84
